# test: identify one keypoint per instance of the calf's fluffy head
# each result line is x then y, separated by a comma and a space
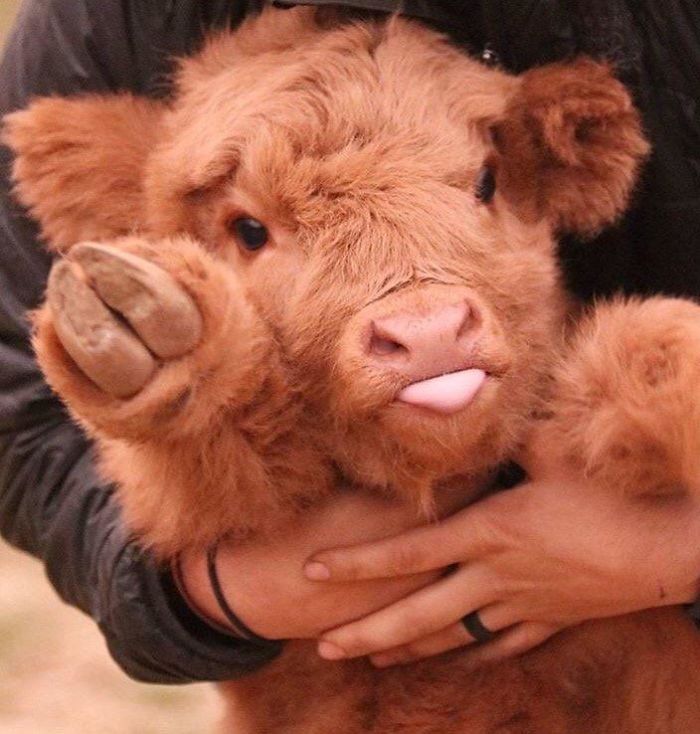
390, 204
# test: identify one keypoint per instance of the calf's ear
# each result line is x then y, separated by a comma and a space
571, 146
79, 164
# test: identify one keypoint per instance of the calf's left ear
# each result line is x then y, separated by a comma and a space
571, 146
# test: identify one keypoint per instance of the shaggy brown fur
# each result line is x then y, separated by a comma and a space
358, 147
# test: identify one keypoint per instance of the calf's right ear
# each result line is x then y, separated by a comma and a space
79, 164
571, 145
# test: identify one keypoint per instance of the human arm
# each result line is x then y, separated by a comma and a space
543, 556
264, 583
52, 504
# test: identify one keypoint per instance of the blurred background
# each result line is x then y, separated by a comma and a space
55, 674
8, 8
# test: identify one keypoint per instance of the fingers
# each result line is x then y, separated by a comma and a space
417, 616
104, 349
509, 643
84, 294
452, 637
423, 549
156, 307
449, 638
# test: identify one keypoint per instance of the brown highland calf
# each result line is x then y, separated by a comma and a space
333, 250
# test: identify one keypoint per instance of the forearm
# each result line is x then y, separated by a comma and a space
52, 504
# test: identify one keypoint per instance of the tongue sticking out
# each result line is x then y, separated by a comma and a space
445, 394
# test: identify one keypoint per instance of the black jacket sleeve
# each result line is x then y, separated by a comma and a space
52, 504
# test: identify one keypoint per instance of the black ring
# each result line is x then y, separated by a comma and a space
476, 628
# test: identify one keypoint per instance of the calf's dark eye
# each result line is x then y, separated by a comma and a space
485, 185
251, 234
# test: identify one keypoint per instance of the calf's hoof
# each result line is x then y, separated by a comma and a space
119, 315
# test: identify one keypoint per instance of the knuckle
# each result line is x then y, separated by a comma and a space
356, 641
344, 569
417, 621
362, 644
405, 557
502, 586
494, 530
453, 638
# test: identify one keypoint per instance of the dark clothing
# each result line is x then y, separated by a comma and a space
51, 502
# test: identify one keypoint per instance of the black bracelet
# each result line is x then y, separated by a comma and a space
241, 629
178, 579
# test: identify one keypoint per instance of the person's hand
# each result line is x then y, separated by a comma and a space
532, 560
264, 583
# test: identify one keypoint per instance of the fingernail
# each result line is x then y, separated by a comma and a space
317, 571
329, 651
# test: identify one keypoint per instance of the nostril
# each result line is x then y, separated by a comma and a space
382, 347
381, 344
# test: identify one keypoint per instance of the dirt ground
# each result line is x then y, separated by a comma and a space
57, 678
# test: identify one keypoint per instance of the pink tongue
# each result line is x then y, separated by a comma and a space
445, 394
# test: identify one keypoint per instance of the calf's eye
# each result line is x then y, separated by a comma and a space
485, 185
251, 234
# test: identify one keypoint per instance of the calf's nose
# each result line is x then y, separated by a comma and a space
426, 343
